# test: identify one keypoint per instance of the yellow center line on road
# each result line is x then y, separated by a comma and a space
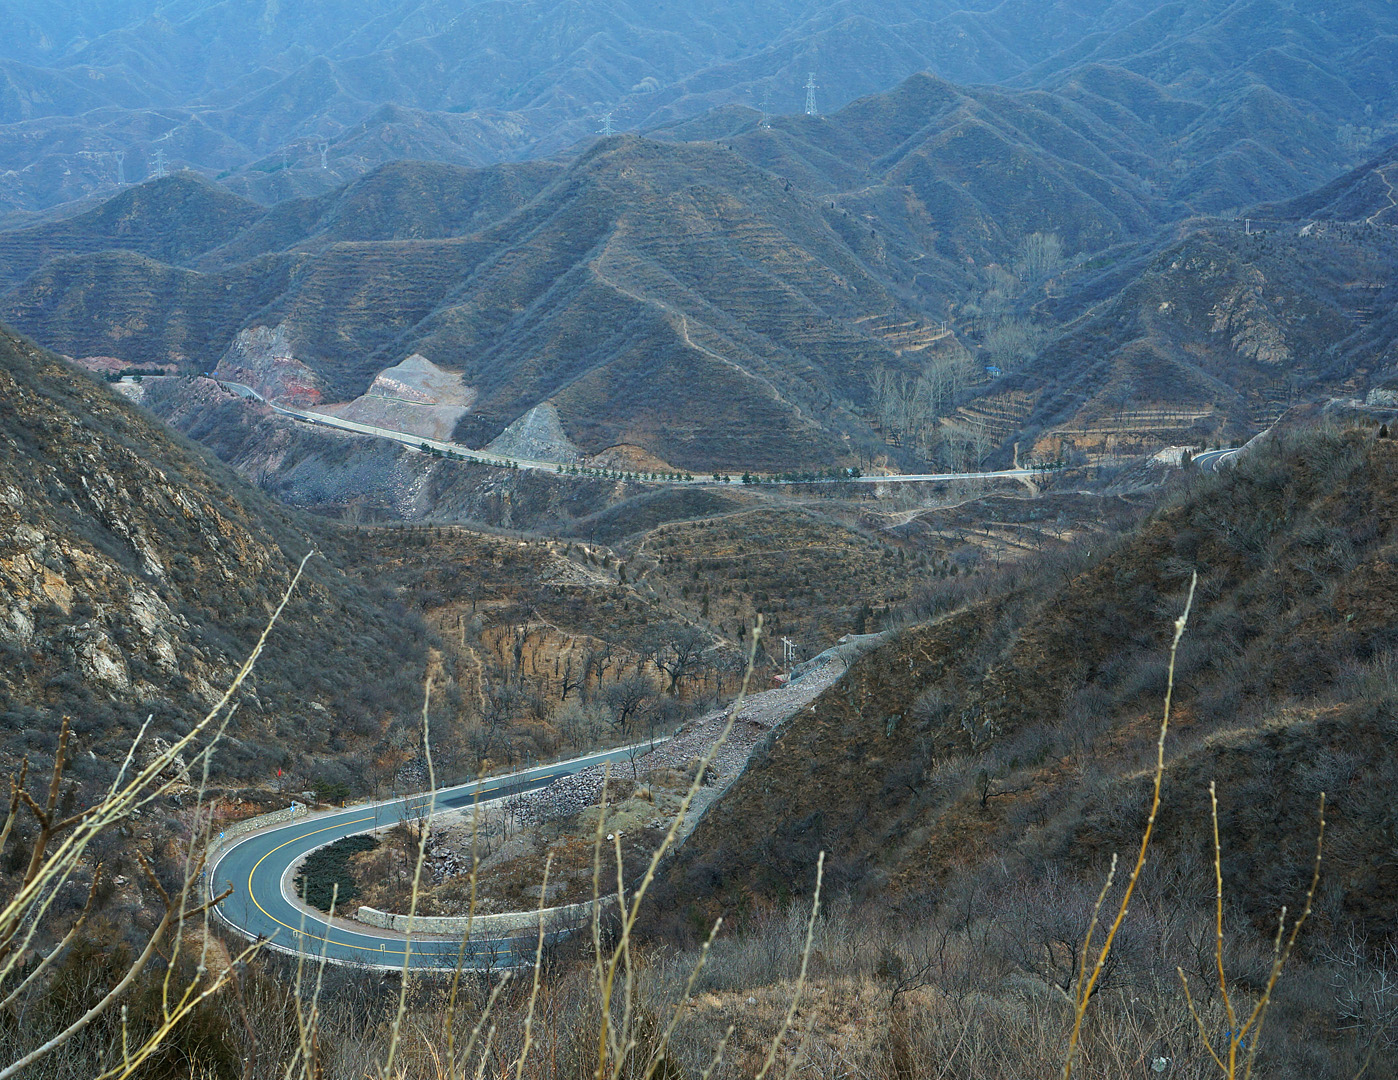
329, 929
330, 828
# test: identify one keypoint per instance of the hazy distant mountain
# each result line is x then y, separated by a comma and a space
670, 297
293, 99
741, 294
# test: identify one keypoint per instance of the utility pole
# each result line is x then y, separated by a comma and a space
607, 128
810, 95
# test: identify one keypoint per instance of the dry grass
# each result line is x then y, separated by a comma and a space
826, 993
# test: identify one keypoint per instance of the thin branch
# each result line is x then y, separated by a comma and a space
1086, 988
800, 979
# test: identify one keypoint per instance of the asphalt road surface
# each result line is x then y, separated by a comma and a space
1211, 460
417, 442
258, 866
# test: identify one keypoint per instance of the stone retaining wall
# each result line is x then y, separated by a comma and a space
486, 926
230, 832
252, 824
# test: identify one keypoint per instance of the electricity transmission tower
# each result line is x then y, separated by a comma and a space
810, 95
766, 122
324, 149
120, 156
788, 653
160, 169
607, 127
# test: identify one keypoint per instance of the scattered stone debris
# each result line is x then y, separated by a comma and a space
757, 716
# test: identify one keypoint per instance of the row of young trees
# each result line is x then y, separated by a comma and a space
453, 455
808, 477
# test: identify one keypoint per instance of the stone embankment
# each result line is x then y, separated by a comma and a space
226, 834
757, 716
508, 924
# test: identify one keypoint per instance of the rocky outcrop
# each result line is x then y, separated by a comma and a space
415, 396
537, 435
135, 575
1254, 329
264, 358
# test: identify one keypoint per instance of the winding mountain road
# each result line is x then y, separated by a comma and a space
258, 868
417, 442
1211, 460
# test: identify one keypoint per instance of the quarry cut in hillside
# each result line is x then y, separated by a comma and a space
415, 396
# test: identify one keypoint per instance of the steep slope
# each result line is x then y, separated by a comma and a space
136, 573
1011, 739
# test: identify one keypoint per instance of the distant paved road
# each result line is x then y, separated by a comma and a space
418, 441
258, 869
1212, 460
917, 478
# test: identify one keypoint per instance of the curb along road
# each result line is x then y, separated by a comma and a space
255, 865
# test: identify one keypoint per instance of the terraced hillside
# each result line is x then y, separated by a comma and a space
1215, 336
925, 278
1011, 741
668, 297
1259, 96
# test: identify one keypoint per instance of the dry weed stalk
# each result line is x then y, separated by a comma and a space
1239, 1037
22, 914
617, 1041
1247, 1035
1089, 977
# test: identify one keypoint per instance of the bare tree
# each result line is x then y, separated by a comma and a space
574, 677
1040, 256
678, 650
598, 661
626, 697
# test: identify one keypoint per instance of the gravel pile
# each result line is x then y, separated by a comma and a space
759, 714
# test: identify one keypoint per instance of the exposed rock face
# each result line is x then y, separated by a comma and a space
420, 381
1253, 327
539, 435
263, 357
135, 576
415, 396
